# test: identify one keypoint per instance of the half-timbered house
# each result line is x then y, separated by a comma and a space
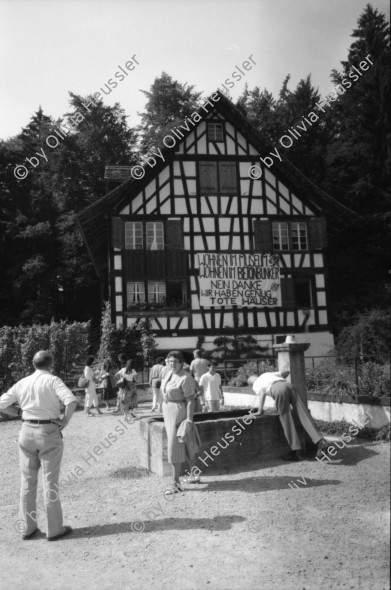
203, 249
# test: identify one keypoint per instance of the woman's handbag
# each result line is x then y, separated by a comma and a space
83, 382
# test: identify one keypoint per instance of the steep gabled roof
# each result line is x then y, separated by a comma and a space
93, 220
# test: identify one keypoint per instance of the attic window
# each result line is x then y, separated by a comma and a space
216, 132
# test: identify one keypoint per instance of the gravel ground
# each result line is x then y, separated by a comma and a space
244, 529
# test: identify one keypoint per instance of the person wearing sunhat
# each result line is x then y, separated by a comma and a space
284, 395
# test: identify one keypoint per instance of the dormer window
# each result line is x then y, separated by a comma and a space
216, 132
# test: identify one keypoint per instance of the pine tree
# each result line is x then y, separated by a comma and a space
359, 156
169, 102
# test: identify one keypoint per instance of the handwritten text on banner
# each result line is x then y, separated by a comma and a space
239, 279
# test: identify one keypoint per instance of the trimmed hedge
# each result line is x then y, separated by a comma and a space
68, 344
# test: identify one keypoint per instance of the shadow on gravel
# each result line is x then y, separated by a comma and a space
130, 473
349, 455
218, 523
253, 485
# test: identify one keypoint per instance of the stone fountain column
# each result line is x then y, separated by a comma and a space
291, 354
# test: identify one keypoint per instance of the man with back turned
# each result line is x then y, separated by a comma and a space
40, 442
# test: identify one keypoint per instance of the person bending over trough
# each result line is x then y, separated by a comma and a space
284, 395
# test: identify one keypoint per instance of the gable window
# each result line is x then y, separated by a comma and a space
290, 235
135, 292
216, 132
218, 178
154, 235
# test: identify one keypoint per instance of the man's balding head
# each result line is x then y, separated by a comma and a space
42, 360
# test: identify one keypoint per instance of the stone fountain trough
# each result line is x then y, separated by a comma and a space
228, 439
231, 439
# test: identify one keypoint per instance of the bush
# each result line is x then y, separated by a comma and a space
237, 347
136, 342
374, 379
332, 379
367, 337
67, 343
251, 368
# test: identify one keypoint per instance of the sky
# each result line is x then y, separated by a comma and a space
51, 47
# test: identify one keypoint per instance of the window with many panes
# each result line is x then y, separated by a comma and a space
299, 235
156, 291
138, 233
155, 235
135, 292
134, 235
166, 293
290, 235
215, 132
280, 236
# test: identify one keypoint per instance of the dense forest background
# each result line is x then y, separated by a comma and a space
46, 272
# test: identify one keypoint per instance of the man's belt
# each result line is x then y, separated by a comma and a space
38, 421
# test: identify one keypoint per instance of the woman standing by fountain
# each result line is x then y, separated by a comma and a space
178, 388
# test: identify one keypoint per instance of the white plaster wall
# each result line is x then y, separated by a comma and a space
374, 416
321, 342
378, 416
177, 343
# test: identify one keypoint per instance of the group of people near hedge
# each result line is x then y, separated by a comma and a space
38, 398
124, 382
208, 390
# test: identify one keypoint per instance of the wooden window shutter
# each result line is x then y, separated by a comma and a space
228, 178
117, 232
288, 298
318, 233
174, 234
208, 177
263, 235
